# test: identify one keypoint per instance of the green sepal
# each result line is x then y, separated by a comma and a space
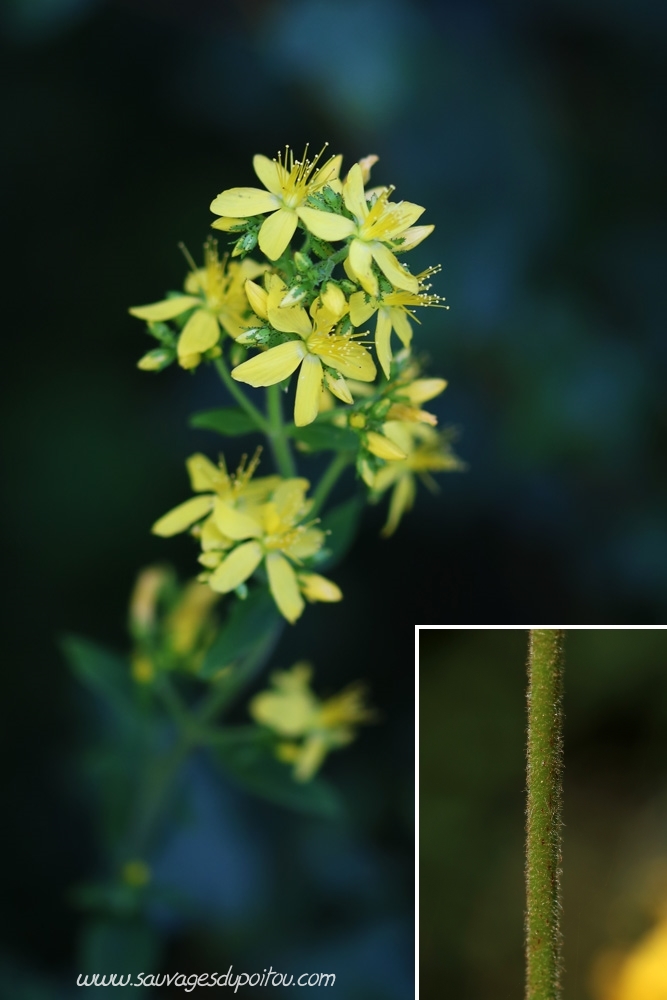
228, 421
247, 756
325, 437
250, 624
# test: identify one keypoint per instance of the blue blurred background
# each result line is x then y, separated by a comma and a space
532, 135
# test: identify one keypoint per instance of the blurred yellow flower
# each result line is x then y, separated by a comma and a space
216, 294
425, 451
288, 184
278, 539
228, 502
313, 728
640, 974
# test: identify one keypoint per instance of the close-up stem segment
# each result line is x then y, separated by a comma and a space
543, 814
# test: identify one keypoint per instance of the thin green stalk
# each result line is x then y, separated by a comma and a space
152, 797
237, 392
544, 809
331, 475
276, 433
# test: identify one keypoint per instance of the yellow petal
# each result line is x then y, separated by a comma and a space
276, 232
199, 334
393, 221
307, 544
166, 309
401, 324
381, 446
361, 308
269, 174
392, 270
310, 757
382, 340
289, 319
354, 361
257, 298
353, 193
402, 499
290, 714
227, 225
234, 523
326, 225
309, 386
318, 588
242, 202
188, 361
284, 587
360, 259
423, 389
204, 475
183, 516
365, 165
412, 237
236, 567
271, 366
339, 387
334, 300
289, 499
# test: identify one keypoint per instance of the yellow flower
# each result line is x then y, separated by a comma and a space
229, 503
217, 297
639, 975
292, 710
393, 311
288, 184
371, 230
318, 345
190, 617
278, 538
425, 452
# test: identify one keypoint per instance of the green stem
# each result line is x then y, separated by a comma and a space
152, 797
329, 479
276, 433
544, 808
237, 392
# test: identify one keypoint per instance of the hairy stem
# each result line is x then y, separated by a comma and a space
237, 392
276, 433
544, 807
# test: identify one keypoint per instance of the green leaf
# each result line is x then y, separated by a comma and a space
249, 625
104, 673
227, 421
246, 755
326, 437
342, 522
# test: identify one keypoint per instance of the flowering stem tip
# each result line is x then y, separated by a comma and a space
543, 814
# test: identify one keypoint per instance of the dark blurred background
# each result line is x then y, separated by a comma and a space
532, 135
472, 796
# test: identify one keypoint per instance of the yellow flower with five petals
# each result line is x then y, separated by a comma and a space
288, 184
371, 230
318, 344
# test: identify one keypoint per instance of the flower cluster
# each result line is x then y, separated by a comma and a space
304, 312
244, 525
307, 728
